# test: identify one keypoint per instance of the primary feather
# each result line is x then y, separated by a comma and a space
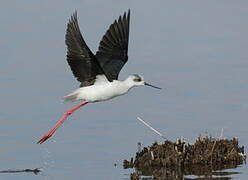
82, 61
112, 53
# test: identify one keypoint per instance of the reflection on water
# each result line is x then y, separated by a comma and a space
202, 173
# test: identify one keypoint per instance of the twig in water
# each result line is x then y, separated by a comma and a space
150, 127
221, 134
35, 171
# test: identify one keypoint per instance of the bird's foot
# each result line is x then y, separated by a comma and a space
45, 137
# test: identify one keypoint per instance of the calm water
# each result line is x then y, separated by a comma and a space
195, 50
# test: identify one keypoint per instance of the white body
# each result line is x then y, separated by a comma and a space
102, 90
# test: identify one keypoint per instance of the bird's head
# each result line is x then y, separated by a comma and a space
137, 80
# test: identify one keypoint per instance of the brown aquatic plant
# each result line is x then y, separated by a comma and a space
205, 156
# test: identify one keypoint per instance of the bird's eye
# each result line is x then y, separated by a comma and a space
137, 79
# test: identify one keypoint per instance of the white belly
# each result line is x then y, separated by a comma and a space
102, 92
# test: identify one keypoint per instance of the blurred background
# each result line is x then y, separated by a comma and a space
195, 50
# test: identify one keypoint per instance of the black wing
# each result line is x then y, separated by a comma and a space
112, 53
82, 61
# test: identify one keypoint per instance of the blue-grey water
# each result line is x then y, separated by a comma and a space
195, 50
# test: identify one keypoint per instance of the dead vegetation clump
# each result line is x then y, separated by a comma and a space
202, 157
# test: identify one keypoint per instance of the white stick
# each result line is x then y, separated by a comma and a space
154, 130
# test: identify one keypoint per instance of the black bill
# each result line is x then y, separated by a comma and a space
152, 86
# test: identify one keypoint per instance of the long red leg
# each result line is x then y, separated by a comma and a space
60, 122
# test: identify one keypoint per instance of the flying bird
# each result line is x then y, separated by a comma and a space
98, 74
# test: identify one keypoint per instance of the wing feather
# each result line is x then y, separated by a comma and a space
112, 53
82, 61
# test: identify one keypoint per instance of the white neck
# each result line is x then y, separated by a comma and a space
128, 84
123, 86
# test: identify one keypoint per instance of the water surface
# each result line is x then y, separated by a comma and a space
195, 50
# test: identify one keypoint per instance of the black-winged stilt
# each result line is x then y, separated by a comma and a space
98, 73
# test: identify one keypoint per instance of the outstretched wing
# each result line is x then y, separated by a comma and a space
82, 61
112, 53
